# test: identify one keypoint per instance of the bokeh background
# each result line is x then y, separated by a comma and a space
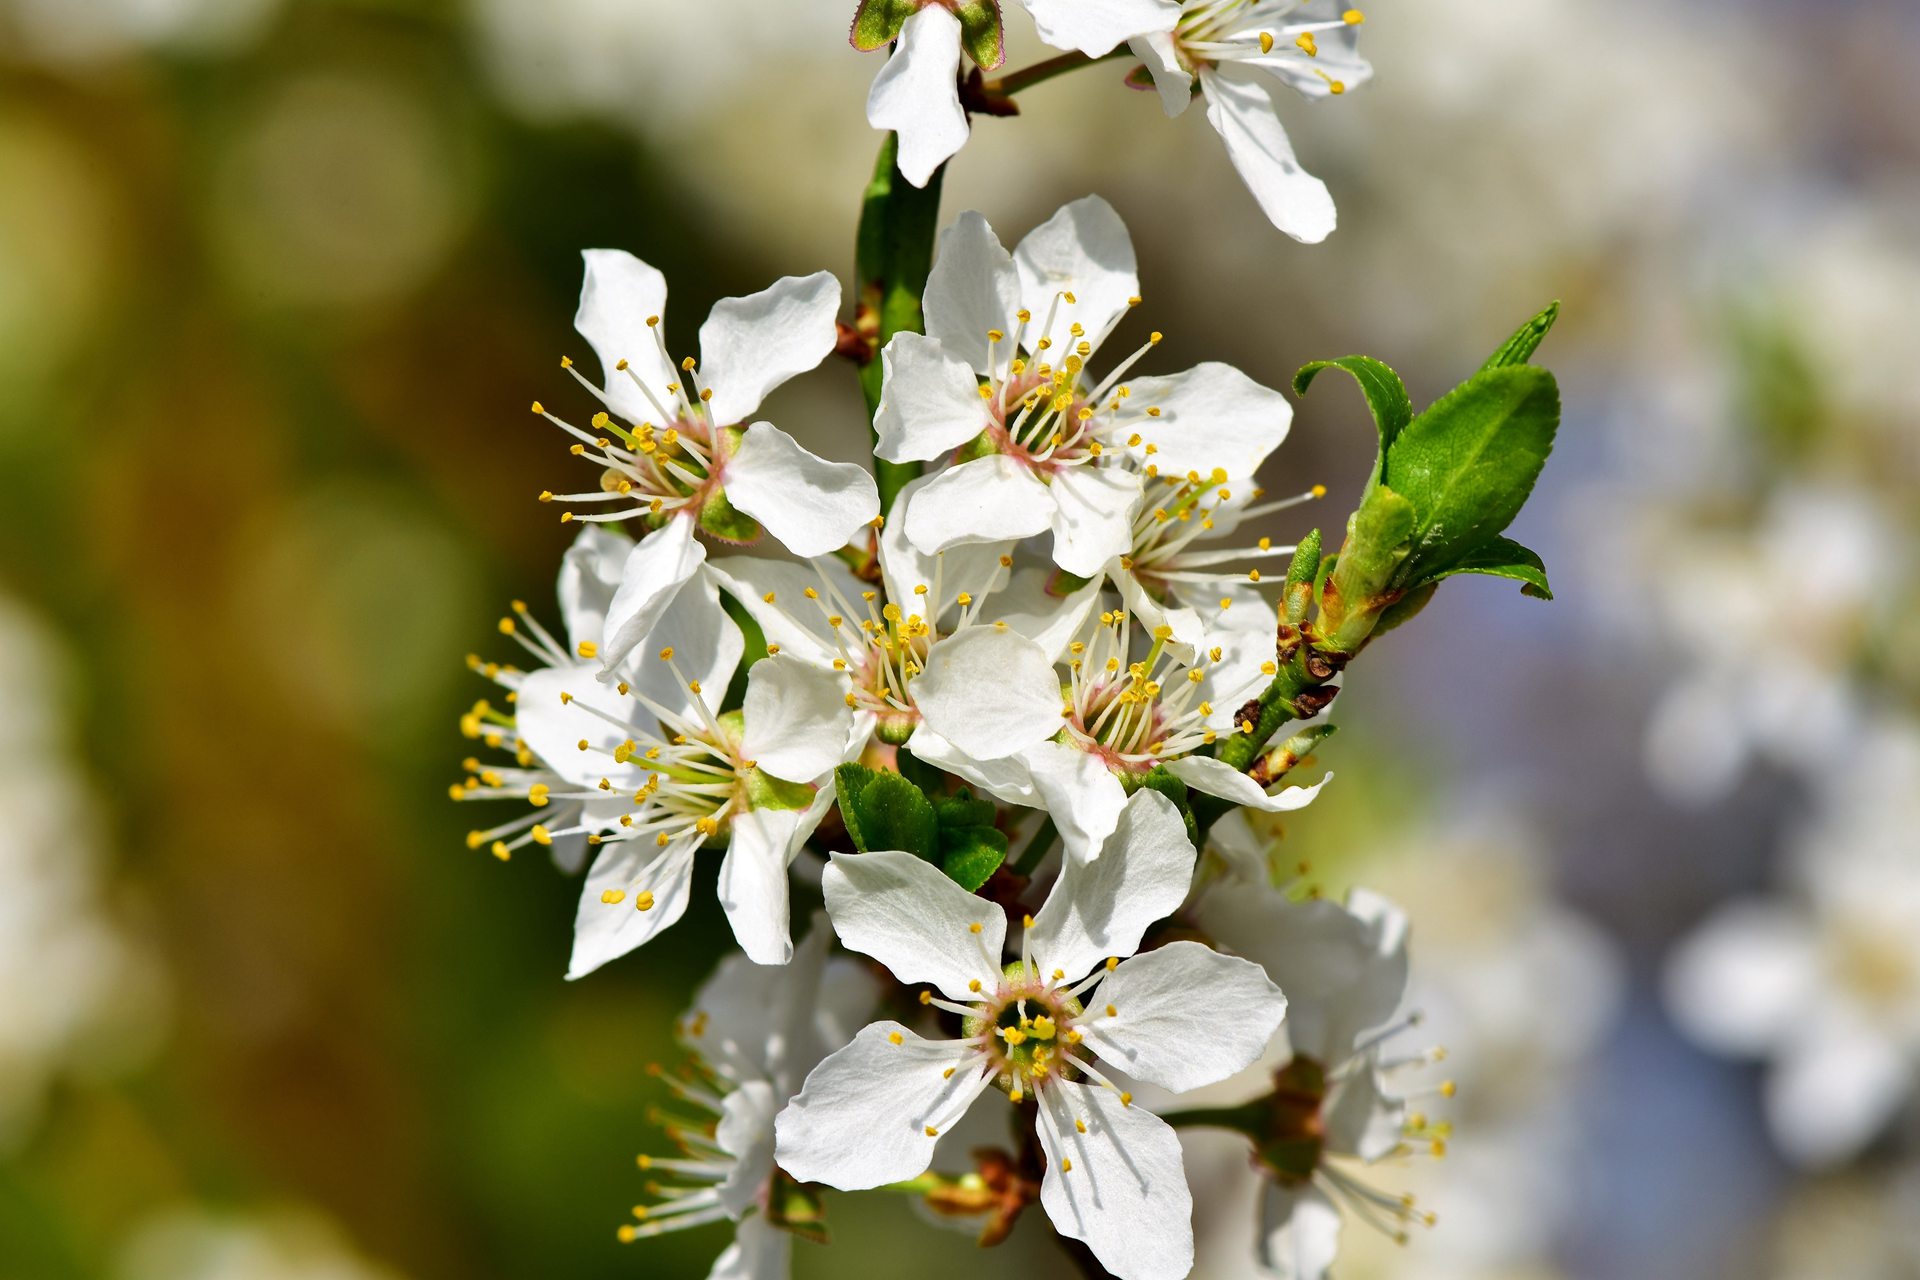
278, 279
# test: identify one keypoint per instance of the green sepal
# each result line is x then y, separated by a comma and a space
1302, 572
1468, 464
723, 520
764, 791
1175, 790
1505, 558
1386, 397
981, 34
1525, 341
971, 854
885, 811
877, 23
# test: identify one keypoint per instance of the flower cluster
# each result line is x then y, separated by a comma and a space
992, 699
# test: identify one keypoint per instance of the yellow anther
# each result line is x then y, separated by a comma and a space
1026, 922
538, 795
947, 1074
541, 835
501, 851
975, 927
1071, 300
1308, 45
1353, 17
1126, 1099
693, 685
1155, 338
613, 897
588, 649
1266, 42
546, 495
1446, 1088
1066, 1165
643, 901
1079, 1126
1113, 962
932, 1132
894, 1037
974, 985
506, 626
538, 407
1112, 1012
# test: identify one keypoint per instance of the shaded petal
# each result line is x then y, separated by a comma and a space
811, 505
1159, 1033
790, 620
917, 94
1363, 1119
1101, 908
707, 647
973, 288
1212, 417
1009, 779
659, 565
929, 401
1126, 1193
1093, 511
1027, 605
750, 345
1835, 1089
589, 575
1083, 249
991, 499
745, 1132
862, 1119
1161, 56
1746, 979
1299, 1232
1217, 778
904, 912
1189, 633
620, 293
604, 931
973, 566
553, 727
797, 718
989, 692
1080, 794
759, 1252
753, 883
1097, 27
1294, 200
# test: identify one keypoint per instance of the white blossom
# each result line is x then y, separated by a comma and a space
1180, 1017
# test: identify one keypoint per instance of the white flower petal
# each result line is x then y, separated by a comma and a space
1126, 1193
1097, 27
797, 718
973, 288
904, 912
707, 646
604, 931
620, 293
553, 727
1083, 249
1212, 417
973, 567
1189, 633
659, 565
1093, 511
917, 95
1299, 1232
1101, 908
790, 620
750, 345
1362, 1118
989, 692
862, 1119
1343, 968
1161, 56
1161, 1034
1216, 778
589, 575
759, 1252
1293, 199
1746, 979
991, 499
1008, 780
1835, 1090
929, 401
1027, 605
1080, 793
811, 505
753, 883
1338, 58
745, 1132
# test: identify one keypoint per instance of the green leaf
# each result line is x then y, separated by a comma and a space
885, 811
980, 32
970, 854
1175, 790
1386, 397
1504, 558
1469, 462
963, 809
1526, 340
877, 23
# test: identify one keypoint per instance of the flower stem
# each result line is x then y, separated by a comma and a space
1040, 72
892, 258
1036, 849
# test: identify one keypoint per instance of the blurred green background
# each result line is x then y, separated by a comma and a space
277, 282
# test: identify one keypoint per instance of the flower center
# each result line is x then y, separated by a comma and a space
1134, 713
1025, 1029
